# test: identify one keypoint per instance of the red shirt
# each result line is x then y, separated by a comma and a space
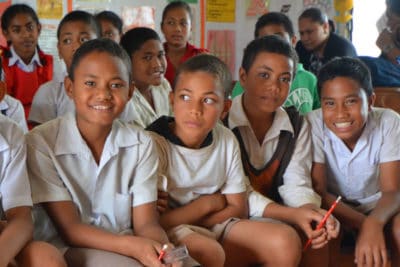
191, 51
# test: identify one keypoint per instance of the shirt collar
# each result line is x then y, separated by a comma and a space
4, 105
70, 141
238, 118
15, 58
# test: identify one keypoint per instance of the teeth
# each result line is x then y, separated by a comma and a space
101, 107
342, 124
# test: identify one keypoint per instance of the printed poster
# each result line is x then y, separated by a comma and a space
324, 5
49, 9
257, 7
221, 43
187, 1
142, 16
220, 10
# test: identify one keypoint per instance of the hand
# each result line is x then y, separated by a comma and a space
385, 40
332, 225
145, 250
215, 202
162, 201
371, 246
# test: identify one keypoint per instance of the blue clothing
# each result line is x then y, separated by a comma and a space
383, 72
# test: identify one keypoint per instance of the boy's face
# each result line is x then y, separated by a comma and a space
72, 35
148, 64
108, 30
176, 27
276, 29
198, 102
100, 89
345, 108
266, 84
312, 33
23, 32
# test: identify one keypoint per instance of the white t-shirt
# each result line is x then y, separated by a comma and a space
14, 184
297, 186
12, 108
62, 168
355, 174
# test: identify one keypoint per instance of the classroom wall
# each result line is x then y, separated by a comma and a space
241, 30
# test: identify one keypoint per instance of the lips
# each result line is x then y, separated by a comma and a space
101, 107
342, 125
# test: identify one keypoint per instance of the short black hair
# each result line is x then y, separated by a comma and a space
394, 6
14, 10
110, 16
176, 4
315, 14
209, 64
133, 39
270, 44
79, 15
100, 45
348, 67
274, 18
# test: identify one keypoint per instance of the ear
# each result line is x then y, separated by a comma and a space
39, 28
242, 76
293, 40
371, 101
227, 107
171, 99
131, 90
5, 34
325, 27
3, 90
68, 84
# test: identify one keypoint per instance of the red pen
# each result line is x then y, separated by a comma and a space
323, 221
162, 252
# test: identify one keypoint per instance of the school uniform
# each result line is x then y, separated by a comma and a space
140, 111
51, 101
190, 173
62, 168
12, 108
14, 184
296, 189
23, 80
354, 175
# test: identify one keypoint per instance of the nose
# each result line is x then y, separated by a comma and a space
341, 111
196, 108
104, 93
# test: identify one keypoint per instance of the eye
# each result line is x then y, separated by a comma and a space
185, 97
148, 57
90, 83
184, 23
351, 101
264, 75
30, 27
84, 39
329, 103
170, 23
116, 85
209, 100
285, 79
66, 41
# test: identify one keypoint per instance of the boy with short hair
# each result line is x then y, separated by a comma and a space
205, 180
276, 144
357, 156
303, 90
95, 175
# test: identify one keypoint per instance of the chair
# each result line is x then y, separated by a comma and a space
388, 97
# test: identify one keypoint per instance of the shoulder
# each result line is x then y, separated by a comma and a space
304, 74
195, 50
130, 134
45, 133
336, 41
10, 133
384, 117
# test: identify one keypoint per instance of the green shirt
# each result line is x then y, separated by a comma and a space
303, 92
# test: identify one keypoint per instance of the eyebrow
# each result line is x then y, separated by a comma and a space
206, 93
272, 70
347, 96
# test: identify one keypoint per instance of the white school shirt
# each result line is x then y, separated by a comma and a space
355, 174
14, 184
62, 168
297, 186
12, 108
16, 59
190, 173
142, 113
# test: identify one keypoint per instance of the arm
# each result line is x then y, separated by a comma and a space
371, 246
67, 221
193, 212
387, 45
16, 234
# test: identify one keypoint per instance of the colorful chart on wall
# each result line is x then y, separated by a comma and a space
142, 16
220, 10
325, 5
222, 45
187, 1
49, 9
256, 7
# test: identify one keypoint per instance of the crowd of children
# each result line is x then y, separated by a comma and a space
137, 148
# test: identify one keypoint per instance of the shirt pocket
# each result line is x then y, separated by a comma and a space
123, 211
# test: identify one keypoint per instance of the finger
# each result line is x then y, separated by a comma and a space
376, 256
162, 194
384, 256
369, 260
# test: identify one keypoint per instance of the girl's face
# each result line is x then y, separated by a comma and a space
148, 64
312, 33
108, 30
176, 27
23, 33
72, 35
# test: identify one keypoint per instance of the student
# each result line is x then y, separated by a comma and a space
176, 25
75, 163
317, 43
26, 67
303, 91
16, 225
357, 156
51, 100
12, 108
200, 159
110, 25
150, 97
276, 144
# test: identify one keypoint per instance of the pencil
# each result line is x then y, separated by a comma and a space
323, 221
162, 252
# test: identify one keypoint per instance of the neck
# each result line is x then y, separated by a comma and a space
319, 50
176, 49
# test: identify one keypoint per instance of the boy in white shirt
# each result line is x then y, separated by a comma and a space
204, 178
16, 225
95, 175
357, 156
276, 145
